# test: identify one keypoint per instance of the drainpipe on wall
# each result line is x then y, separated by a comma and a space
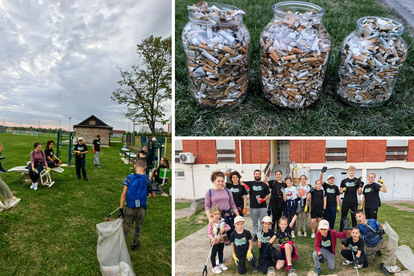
192, 178
241, 161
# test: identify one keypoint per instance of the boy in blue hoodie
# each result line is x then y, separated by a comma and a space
136, 188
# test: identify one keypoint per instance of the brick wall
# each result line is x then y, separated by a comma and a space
307, 151
89, 134
253, 151
366, 151
204, 150
410, 151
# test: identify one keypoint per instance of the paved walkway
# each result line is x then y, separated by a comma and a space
403, 208
181, 213
403, 9
191, 252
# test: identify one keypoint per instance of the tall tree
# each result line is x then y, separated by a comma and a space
146, 88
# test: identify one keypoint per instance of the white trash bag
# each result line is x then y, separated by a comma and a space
112, 251
403, 253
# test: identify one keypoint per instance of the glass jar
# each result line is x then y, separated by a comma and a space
312, 272
371, 58
292, 272
217, 45
294, 49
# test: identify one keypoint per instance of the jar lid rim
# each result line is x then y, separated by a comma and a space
297, 3
394, 22
239, 16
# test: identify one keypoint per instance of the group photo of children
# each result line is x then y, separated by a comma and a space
280, 210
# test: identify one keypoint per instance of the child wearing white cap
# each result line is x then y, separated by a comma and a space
325, 244
241, 246
265, 240
80, 149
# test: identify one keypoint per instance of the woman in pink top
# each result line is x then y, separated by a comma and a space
222, 198
37, 161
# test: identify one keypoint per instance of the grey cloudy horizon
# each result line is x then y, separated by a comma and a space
59, 59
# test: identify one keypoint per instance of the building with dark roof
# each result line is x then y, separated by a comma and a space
91, 127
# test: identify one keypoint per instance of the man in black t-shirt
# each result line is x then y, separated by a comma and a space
259, 193
80, 149
351, 186
97, 150
332, 199
371, 196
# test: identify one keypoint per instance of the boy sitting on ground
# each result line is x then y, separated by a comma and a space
137, 187
355, 254
372, 232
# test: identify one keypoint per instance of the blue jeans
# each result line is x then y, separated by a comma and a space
330, 215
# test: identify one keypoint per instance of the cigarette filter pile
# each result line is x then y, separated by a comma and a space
371, 58
294, 55
217, 44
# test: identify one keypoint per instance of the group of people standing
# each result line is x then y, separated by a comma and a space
229, 200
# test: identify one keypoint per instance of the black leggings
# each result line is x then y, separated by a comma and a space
277, 209
217, 248
344, 213
35, 176
52, 164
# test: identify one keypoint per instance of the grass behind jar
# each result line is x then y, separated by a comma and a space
256, 116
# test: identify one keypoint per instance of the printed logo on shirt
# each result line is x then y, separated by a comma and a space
80, 148
368, 190
350, 184
257, 188
326, 243
330, 191
265, 239
240, 242
235, 190
284, 240
353, 248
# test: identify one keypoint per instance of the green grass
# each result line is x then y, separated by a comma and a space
181, 205
400, 221
327, 117
52, 231
406, 205
187, 226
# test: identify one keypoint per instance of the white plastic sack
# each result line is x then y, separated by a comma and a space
112, 251
403, 253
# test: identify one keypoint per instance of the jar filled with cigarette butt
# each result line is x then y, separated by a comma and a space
371, 58
294, 49
217, 44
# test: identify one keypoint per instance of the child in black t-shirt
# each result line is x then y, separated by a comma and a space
80, 149
241, 246
351, 187
355, 254
317, 197
371, 196
287, 248
267, 252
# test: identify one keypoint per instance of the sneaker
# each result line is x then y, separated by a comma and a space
35, 186
216, 270
135, 247
392, 268
86, 179
255, 268
99, 166
2, 207
2, 169
227, 242
379, 253
383, 269
292, 234
223, 267
255, 238
358, 266
347, 262
32, 186
305, 234
10, 203
313, 235
289, 267
299, 234
318, 270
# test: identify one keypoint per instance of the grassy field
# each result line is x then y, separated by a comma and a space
328, 117
182, 205
52, 231
400, 221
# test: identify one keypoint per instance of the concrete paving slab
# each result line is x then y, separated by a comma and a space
402, 8
191, 252
181, 213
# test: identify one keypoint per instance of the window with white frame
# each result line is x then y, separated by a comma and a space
226, 151
397, 150
179, 173
336, 150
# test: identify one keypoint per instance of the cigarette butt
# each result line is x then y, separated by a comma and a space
205, 47
222, 81
297, 51
270, 42
241, 79
209, 70
226, 93
310, 59
274, 56
222, 61
243, 85
228, 50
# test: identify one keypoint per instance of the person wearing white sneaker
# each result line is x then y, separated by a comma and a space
303, 189
223, 267
317, 197
353, 250
2, 207
37, 161
217, 235
9, 199
216, 270
290, 197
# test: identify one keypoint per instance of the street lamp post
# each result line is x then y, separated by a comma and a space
69, 123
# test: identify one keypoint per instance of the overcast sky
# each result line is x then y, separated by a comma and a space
59, 59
